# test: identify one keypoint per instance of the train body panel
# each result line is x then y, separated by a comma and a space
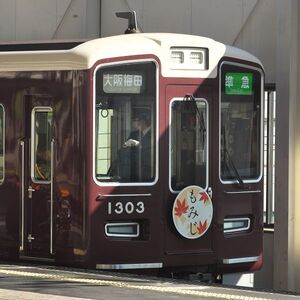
28, 100
133, 152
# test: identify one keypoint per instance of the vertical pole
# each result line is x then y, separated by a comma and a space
286, 260
51, 197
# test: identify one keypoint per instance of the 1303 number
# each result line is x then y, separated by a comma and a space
128, 208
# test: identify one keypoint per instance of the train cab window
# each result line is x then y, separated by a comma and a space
41, 144
188, 144
241, 102
2, 139
125, 123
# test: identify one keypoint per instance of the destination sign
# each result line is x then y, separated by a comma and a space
123, 83
239, 84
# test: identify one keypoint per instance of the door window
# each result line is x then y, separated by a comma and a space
188, 144
41, 144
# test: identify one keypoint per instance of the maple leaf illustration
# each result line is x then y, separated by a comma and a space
202, 227
181, 207
204, 197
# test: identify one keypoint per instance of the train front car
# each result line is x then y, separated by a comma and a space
174, 166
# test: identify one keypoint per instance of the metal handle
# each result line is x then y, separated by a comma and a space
22, 194
51, 197
30, 238
243, 192
30, 190
209, 192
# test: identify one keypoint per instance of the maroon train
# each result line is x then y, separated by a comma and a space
139, 151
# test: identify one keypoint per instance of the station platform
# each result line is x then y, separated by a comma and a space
26, 281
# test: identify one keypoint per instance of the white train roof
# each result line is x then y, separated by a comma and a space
85, 55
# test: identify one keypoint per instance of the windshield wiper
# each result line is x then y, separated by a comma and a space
229, 162
190, 97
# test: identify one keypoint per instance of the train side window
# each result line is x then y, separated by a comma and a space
41, 144
2, 143
125, 123
188, 142
240, 126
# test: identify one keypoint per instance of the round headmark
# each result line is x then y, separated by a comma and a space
192, 212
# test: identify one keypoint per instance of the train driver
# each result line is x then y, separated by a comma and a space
140, 140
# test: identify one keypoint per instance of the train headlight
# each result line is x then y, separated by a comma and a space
177, 57
236, 224
130, 230
189, 58
196, 58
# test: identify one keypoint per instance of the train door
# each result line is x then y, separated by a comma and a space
37, 169
189, 185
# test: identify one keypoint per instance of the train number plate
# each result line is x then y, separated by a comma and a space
125, 208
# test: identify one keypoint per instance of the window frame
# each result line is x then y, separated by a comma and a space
126, 62
249, 67
170, 142
32, 145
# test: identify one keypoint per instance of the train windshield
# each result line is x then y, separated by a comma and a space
188, 143
241, 105
125, 122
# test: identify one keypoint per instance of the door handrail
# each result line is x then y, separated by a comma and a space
22, 144
51, 196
